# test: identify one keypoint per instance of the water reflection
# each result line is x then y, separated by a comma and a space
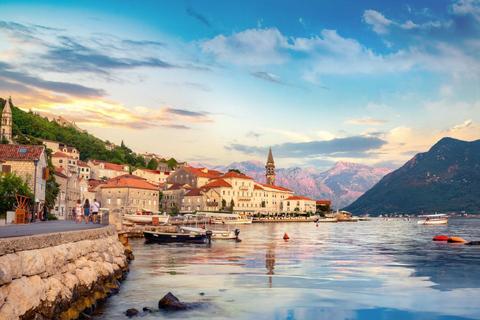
364, 270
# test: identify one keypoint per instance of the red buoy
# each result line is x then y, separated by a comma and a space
285, 236
440, 238
317, 224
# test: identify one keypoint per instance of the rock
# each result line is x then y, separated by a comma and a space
170, 302
131, 312
147, 309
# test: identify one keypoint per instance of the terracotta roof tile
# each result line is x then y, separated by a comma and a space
194, 192
298, 198
62, 155
234, 174
217, 183
12, 152
274, 187
126, 176
199, 172
324, 202
130, 183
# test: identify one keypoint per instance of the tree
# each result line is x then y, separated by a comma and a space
11, 184
174, 210
5, 140
232, 204
235, 170
160, 197
263, 204
152, 164
224, 203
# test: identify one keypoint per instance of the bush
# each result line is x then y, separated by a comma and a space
51, 216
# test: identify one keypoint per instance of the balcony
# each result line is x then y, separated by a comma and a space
212, 204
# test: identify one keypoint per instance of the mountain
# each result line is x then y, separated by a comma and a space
444, 179
342, 184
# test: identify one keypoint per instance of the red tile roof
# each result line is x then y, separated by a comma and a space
234, 174
82, 164
62, 155
194, 192
130, 183
217, 183
108, 165
176, 186
11, 152
324, 202
257, 187
126, 176
199, 173
151, 171
59, 172
274, 187
298, 198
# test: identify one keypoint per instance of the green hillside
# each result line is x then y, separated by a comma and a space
444, 179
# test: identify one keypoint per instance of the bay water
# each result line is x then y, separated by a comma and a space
359, 270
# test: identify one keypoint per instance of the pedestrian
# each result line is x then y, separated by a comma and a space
95, 208
86, 210
45, 212
78, 211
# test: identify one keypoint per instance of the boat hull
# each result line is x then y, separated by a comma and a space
164, 237
434, 222
216, 234
145, 218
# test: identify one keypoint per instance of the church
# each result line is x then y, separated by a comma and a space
6, 122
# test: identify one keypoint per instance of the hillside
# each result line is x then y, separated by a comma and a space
342, 184
444, 179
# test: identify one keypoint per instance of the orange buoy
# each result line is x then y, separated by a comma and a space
285, 236
317, 224
239, 240
456, 239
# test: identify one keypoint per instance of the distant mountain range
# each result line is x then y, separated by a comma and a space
342, 184
444, 179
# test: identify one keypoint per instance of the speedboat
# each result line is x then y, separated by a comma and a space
434, 219
146, 218
167, 237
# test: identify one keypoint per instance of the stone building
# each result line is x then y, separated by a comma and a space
71, 151
65, 161
129, 195
100, 169
61, 207
30, 163
194, 177
300, 205
6, 121
83, 169
270, 169
153, 176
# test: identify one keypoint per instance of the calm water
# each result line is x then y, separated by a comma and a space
366, 270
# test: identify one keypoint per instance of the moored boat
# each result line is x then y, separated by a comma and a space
216, 234
434, 219
146, 218
166, 237
223, 218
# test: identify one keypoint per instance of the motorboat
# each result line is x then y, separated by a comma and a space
326, 219
434, 219
216, 234
168, 237
223, 218
146, 217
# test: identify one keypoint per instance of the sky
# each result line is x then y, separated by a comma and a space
371, 82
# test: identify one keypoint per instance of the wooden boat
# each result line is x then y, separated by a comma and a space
223, 218
434, 219
166, 237
440, 238
216, 234
146, 218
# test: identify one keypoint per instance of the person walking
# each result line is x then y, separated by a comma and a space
86, 210
44, 212
78, 211
95, 208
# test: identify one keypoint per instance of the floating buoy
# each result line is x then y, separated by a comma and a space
285, 236
440, 238
317, 224
239, 240
456, 239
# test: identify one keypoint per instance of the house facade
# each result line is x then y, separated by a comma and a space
100, 169
153, 176
300, 205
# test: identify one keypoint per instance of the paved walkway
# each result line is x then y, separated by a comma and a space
40, 227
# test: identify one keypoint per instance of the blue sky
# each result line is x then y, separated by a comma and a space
372, 82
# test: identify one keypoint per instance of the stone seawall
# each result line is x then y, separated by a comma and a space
60, 275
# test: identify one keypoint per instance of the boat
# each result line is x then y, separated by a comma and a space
440, 238
326, 219
434, 219
223, 218
146, 218
216, 234
456, 240
167, 237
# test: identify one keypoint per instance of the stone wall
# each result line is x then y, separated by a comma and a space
61, 275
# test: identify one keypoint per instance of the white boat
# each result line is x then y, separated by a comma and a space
216, 234
146, 218
434, 219
223, 218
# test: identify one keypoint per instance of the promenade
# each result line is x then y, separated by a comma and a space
43, 227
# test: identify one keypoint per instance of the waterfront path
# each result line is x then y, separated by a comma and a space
42, 227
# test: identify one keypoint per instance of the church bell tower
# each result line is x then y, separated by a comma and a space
270, 169
6, 121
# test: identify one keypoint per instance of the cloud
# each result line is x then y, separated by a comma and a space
191, 12
192, 115
266, 76
356, 146
29, 83
368, 121
377, 20
252, 134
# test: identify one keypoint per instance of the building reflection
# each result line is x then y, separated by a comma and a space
270, 262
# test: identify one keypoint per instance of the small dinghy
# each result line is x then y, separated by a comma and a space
456, 240
440, 238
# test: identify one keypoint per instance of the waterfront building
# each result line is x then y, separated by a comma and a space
272, 198
299, 205
129, 195
100, 169
6, 122
194, 177
153, 176
270, 169
30, 163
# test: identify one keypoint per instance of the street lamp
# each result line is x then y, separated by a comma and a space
35, 162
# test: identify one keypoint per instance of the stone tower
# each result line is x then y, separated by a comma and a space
6, 124
270, 174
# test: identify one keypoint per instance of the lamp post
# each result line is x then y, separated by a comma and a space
35, 162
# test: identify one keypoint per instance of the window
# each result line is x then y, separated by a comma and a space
60, 161
108, 201
119, 201
22, 150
